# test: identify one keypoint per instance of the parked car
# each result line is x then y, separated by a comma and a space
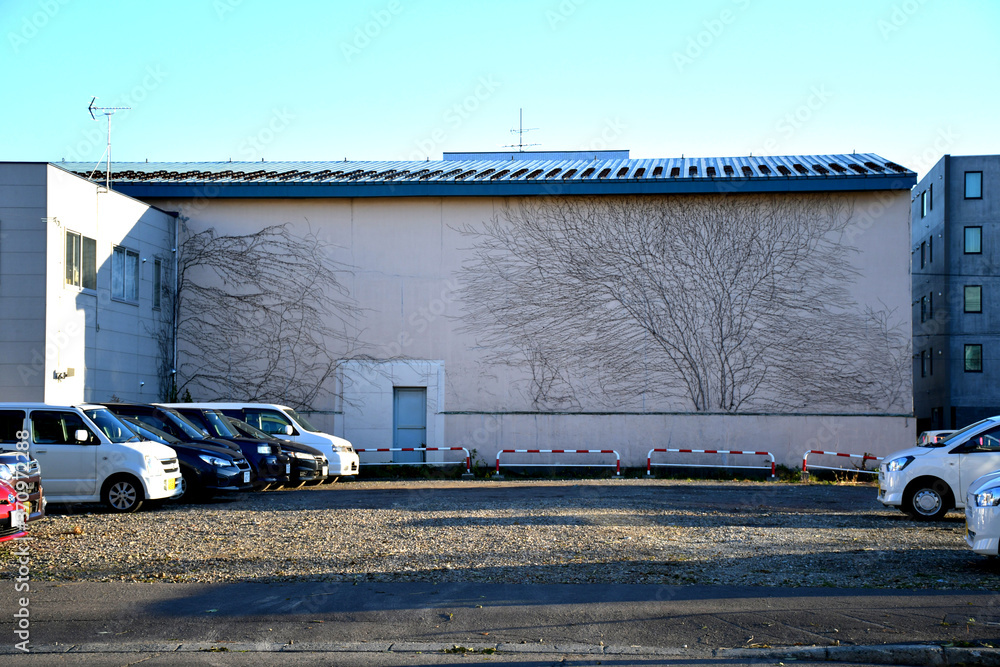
929, 480
308, 464
263, 462
13, 515
21, 470
88, 455
281, 421
982, 515
276, 470
930, 437
205, 469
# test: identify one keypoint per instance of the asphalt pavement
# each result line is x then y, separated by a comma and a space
416, 624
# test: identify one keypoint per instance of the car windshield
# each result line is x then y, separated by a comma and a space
248, 430
219, 425
190, 429
149, 432
301, 420
110, 425
957, 435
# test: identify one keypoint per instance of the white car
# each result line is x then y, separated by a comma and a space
281, 421
982, 515
87, 456
927, 481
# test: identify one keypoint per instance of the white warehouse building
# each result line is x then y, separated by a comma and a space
491, 301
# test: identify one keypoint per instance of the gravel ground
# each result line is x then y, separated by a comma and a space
613, 531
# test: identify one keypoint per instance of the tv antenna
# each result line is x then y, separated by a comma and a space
109, 112
520, 145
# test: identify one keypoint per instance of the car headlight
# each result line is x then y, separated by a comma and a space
347, 448
153, 465
988, 498
896, 465
6, 472
263, 449
215, 460
301, 455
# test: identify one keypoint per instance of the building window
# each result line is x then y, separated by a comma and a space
81, 261
923, 252
125, 274
973, 240
974, 358
930, 197
923, 308
930, 306
923, 204
973, 298
973, 185
930, 250
923, 364
157, 278
930, 361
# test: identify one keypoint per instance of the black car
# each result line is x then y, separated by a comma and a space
264, 463
308, 463
205, 469
278, 470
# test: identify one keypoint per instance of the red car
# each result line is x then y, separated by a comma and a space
13, 515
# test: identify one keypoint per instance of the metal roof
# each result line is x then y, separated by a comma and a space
862, 171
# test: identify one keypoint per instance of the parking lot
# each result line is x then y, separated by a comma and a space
649, 531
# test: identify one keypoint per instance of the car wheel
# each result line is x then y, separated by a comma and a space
927, 500
122, 494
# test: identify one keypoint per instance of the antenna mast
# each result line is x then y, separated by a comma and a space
520, 145
109, 112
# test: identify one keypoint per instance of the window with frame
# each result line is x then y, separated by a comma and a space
973, 358
973, 240
923, 308
923, 204
923, 364
125, 274
923, 253
930, 361
81, 261
930, 250
973, 185
973, 298
930, 197
11, 423
930, 306
157, 286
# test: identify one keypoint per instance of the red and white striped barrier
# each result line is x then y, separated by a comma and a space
650, 464
468, 457
863, 457
617, 464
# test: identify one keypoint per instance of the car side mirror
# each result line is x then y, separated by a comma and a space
81, 435
288, 430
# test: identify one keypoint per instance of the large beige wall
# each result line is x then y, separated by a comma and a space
405, 255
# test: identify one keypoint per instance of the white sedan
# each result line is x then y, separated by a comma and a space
982, 515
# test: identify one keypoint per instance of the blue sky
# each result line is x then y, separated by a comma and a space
407, 79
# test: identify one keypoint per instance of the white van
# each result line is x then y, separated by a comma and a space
87, 455
281, 421
928, 480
